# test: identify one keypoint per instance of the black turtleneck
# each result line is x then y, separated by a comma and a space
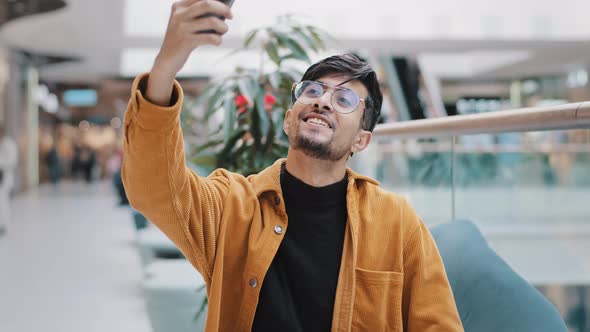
300, 286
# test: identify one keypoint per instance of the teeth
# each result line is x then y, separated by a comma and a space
318, 121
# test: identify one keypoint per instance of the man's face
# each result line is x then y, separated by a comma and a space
319, 131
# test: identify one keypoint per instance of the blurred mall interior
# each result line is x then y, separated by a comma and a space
486, 118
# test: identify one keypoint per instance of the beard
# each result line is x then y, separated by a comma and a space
315, 149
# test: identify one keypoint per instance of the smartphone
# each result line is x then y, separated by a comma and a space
228, 3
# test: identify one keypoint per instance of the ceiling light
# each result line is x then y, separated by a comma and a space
51, 104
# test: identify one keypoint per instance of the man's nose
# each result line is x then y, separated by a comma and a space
324, 101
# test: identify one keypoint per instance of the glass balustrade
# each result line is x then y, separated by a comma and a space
528, 193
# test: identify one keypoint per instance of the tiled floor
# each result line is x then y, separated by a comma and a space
68, 264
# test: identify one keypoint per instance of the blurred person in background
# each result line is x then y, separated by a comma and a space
87, 162
113, 163
305, 245
8, 163
114, 167
84, 162
64, 149
54, 165
76, 166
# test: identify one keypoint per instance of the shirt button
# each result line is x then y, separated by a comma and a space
277, 200
253, 283
278, 229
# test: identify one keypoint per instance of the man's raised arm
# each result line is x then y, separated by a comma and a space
157, 182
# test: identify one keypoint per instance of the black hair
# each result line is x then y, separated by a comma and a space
353, 68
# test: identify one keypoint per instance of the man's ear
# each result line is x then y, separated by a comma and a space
287, 121
361, 141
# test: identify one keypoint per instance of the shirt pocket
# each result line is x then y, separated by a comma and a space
377, 301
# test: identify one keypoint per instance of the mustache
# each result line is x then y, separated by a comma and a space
319, 112
323, 113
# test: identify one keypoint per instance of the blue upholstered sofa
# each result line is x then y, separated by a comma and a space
490, 296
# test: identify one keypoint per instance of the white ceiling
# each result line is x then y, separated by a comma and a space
120, 38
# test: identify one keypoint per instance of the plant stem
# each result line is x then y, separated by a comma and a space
261, 69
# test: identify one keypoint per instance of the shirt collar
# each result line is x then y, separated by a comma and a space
269, 178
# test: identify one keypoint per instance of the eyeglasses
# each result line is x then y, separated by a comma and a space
343, 100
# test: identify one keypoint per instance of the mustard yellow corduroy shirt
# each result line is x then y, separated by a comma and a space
391, 275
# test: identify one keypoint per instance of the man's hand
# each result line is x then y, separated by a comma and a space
186, 31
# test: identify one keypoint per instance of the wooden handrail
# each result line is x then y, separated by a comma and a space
567, 116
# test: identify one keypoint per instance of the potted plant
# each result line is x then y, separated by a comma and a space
253, 101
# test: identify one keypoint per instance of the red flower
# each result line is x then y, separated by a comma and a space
242, 103
241, 100
269, 101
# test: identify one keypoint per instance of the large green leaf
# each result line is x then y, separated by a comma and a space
274, 78
255, 125
219, 94
240, 161
308, 39
318, 35
295, 49
229, 119
205, 95
268, 140
291, 75
262, 114
273, 51
206, 146
230, 144
277, 118
250, 38
252, 157
216, 131
280, 150
248, 87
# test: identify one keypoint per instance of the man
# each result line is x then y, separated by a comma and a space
8, 162
305, 245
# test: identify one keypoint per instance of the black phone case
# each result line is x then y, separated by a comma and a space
228, 3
